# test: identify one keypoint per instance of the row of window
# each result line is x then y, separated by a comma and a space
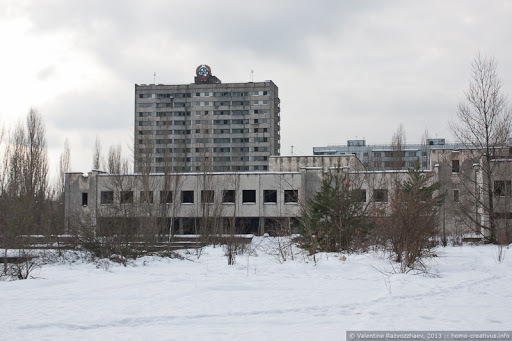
202, 104
206, 94
201, 113
228, 196
204, 150
216, 168
215, 158
214, 140
502, 188
204, 131
203, 122
397, 154
393, 164
187, 197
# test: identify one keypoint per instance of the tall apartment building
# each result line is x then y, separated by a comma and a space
206, 125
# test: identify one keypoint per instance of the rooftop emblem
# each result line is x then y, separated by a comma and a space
203, 72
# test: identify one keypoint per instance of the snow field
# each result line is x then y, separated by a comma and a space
258, 298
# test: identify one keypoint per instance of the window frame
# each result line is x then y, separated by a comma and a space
126, 197
291, 196
247, 194
189, 195
270, 196
107, 197
166, 197
143, 199
381, 195
227, 194
85, 199
456, 195
455, 166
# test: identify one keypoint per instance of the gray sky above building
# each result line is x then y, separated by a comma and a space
345, 69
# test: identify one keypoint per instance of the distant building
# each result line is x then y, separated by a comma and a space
206, 125
385, 157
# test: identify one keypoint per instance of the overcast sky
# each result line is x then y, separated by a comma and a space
345, 69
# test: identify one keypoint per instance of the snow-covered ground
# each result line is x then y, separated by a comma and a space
258, 298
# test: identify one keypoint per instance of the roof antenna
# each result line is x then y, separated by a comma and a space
292, 150
252, 75
154, 78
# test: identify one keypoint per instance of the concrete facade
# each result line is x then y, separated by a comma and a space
257, 200
185, 197
325, 162
464, 177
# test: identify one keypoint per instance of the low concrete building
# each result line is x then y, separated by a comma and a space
255, 202
183, 199
259, 202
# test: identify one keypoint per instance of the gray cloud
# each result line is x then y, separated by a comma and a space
344, 68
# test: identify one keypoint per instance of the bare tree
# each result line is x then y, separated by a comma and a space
398, 142
231, 244
24, 196
64, 166
96, 157
424, 149
28, 173
483, 127
115, 162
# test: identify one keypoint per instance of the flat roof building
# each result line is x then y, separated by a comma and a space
387, 157
206, 125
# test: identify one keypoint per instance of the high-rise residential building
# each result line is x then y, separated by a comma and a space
206, 125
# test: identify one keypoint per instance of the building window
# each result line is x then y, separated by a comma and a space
249, 196
502, 188
187, 197
85, 198
291, 196
146, 197
228, 196
270, 196
455, 166
107, 197
207, 196
166, 197
126, 197
363, 195
456, 195
380, 195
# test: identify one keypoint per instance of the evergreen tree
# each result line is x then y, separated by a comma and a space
333, 219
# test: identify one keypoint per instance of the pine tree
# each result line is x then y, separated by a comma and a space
335, 216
